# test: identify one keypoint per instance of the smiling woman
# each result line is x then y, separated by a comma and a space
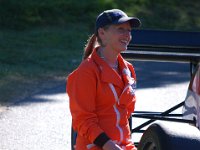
117, 37
102, 89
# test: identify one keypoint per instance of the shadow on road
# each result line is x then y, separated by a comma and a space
54, 94
149, 75
158, 74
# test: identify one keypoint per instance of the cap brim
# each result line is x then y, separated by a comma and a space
134, 22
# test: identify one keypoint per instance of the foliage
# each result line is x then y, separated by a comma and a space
26, 13
31, 57
168, 14
43, 40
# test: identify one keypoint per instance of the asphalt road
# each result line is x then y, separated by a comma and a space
43, 121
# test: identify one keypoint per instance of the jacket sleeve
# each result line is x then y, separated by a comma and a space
81, 89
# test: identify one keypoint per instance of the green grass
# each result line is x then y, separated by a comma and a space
47, 54
41, 55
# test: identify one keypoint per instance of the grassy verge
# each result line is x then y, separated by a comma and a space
37, 58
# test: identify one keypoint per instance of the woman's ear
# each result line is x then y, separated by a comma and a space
101, 32
103, 37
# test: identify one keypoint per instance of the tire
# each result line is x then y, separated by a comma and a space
73, 139
172, 136
150, 139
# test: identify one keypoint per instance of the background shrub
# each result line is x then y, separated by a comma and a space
168, 14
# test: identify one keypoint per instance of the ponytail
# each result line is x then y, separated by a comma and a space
89, 46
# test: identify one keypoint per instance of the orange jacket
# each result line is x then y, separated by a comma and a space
101, 101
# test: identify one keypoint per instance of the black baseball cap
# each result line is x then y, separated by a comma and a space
115, 16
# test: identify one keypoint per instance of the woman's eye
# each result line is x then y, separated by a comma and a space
122, 30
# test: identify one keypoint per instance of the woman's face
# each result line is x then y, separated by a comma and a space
117, 37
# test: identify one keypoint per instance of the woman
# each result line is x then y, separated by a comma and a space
102, 89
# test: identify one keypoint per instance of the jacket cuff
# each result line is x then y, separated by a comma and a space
101, 140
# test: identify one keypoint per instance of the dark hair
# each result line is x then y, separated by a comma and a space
89, 46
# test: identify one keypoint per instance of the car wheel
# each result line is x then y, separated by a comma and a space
150, 139
170, 136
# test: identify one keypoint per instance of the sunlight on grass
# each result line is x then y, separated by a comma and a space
38, 55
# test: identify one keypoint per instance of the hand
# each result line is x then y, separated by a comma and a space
110, 145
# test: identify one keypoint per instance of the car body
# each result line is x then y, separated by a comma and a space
191, 109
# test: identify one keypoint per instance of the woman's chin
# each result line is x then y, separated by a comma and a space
124, 48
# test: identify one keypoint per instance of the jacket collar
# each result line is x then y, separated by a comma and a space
109, 75
126, 72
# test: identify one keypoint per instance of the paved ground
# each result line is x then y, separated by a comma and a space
43, 121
